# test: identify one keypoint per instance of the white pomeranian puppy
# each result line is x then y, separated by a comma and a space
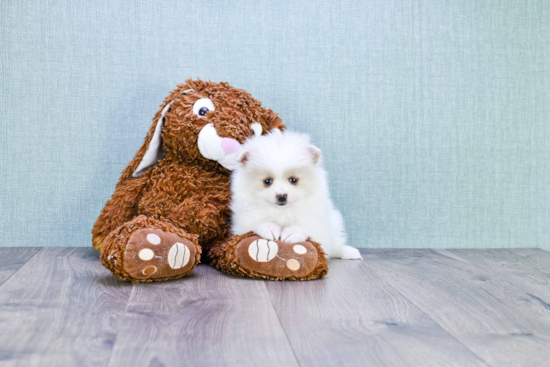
280, 192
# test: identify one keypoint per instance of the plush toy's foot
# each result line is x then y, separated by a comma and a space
146, 250
255, 257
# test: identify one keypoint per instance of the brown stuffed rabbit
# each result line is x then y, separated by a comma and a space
171, 203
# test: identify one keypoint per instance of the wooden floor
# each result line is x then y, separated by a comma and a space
60, 307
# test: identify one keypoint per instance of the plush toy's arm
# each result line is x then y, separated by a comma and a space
121, 208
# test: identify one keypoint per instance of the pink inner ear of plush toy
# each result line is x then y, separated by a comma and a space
230, 145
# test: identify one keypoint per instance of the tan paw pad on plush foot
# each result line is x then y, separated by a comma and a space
153, 253
276, 258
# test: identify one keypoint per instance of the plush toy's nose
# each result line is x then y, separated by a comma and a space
230, 145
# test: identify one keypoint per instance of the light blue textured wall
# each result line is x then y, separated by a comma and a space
433, 116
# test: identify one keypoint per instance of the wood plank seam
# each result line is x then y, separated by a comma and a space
505, 279
124, 318
495, 317
427, 315
216, 331
501, 277
62, 308
22, 265
282, 326
353, 318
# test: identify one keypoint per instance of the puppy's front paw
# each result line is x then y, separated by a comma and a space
269, 231
293, 235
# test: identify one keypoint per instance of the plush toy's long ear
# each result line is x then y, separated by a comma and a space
149, 154
154, 152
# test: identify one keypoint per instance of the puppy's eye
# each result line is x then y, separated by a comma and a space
293, 180
268, 182
202, 106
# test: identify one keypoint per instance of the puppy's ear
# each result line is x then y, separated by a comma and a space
243, 157
315, 153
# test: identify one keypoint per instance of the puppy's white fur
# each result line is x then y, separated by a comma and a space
308, 212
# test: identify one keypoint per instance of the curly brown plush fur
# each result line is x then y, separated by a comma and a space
225, 259
184, 193
112, 253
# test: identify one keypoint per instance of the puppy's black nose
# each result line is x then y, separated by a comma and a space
281, 198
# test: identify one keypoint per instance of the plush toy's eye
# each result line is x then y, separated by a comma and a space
202, 106
268, 182
293, 180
